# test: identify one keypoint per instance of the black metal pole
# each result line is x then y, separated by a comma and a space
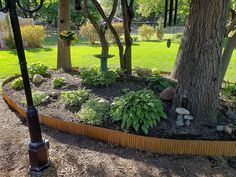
38, 149
171, 12
176, 12
166, 13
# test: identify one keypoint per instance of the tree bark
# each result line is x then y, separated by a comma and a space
200, 67
63, 54
128, 15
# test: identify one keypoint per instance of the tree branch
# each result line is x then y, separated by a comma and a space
113, 12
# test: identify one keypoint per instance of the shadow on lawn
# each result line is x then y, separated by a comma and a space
167, 165
30, 50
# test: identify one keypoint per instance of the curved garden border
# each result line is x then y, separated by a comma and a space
150, 144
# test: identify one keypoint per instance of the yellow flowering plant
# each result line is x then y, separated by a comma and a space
69, 36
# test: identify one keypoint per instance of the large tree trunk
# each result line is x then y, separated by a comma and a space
200, 67
227, 54
63, 54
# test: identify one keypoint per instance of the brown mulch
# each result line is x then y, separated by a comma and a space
74, 156
55, 107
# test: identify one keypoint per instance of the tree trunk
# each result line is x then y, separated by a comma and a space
128, 15
63, 54
227, 54
200, 67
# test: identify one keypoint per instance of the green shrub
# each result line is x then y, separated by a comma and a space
37, 68
33, 35
17, 84
156, 72
93, 77
146, 32
94, 111
58, 81
75, 98
38, 98
119, 29
88, 32
137, 110
160, 28
159, 83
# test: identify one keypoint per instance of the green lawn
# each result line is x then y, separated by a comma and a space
145, 54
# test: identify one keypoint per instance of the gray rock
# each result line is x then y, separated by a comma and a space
182, 111
188, 117
231, 115
168, 94
188, 122
37, 79
180, 121
220, 128
228, 130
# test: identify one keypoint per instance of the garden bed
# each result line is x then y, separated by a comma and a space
166, 137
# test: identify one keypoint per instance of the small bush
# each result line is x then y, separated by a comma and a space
17, 84
37, 68
229, 90
178, 35
156, 72
160, 28
146, 32
159, 83
137, 110
39, 98
33, 35
94, 111
75, 98
119, 29
88, 32
93, 77
58, 81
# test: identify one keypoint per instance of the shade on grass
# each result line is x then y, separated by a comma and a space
151, 54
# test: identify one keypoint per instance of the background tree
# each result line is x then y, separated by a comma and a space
201, 48
63, 53
101, 27
125, 63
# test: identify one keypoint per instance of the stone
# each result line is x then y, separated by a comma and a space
228, 130
54, 94
102, 100
188, 122
168, 94
220, 128
37, 79
188, 117
182, 111
231, 115
180, 121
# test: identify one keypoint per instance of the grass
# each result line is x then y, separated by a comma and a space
150, 54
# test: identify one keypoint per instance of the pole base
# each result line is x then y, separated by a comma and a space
38, 155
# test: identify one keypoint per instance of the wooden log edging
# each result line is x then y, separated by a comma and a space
150, 144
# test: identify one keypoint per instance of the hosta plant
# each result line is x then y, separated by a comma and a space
93, 77
139, 110
159, 83
39, 98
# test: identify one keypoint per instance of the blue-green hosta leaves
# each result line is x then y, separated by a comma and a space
139, 110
